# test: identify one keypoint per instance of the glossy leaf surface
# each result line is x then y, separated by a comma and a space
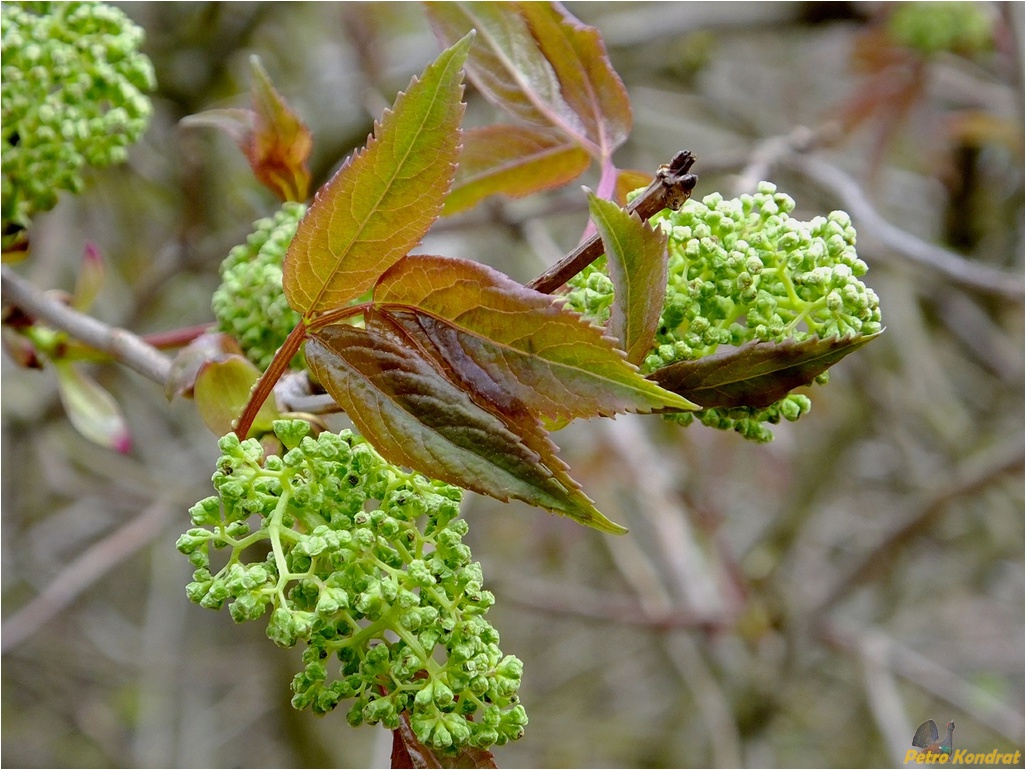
384, 198
636, 259
417, 417
756, 374
518, 348
513, 161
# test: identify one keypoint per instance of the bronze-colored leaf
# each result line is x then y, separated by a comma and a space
415, 416
513, 161
756, 374
512, 345
628, 180
274, 140
587, 80
505, 64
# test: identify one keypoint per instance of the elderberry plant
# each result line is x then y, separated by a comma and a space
740, 270
73, 94
364, 563
249, 304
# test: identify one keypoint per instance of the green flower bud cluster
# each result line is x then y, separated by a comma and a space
365, 563
73, 94
742, 270
249, 304
932, 27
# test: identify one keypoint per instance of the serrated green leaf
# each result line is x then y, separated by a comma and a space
636, 259
756, 374
384, 198
415, 416
515, 347
91, 409
513, 161
587, 80
221, 390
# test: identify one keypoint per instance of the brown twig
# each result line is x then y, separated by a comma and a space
902, 243
930, 676
81, 573
669, 190
605, 607
119, 344
976, 474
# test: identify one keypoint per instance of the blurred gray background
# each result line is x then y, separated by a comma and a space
803, 603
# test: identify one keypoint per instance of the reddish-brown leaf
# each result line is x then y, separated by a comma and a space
515, 347
756, 374
587, 80
384, 198
415, 416
540, 64
513, 161
505, 63
274, 140
636, 259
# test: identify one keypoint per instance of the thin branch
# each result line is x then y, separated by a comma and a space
604, 607
119, 344
974, 275
930, 676
711, 701
81, 573
883, 696
974, 475
670, 189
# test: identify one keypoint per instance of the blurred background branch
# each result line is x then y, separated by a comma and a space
801, 603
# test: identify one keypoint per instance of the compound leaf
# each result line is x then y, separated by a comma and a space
513, 161
756, 374
384, 198
516, 347
415, 416
636, 259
